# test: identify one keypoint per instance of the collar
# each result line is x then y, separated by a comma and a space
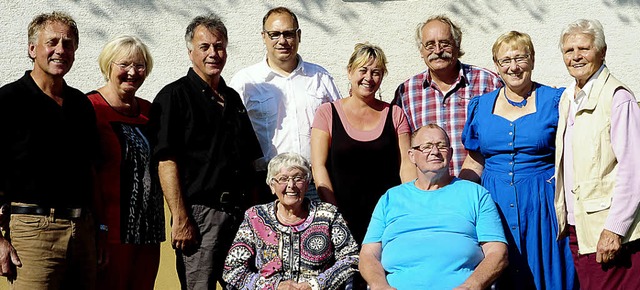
268, 74
580, 98
463, 70
200, 85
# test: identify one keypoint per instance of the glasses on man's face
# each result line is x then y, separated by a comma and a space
284, 180
287, 34
519, 59
443, 45
427, 147
123, 66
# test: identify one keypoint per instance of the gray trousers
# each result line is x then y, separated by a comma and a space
201, 269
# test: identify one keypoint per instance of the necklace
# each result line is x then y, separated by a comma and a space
518, 104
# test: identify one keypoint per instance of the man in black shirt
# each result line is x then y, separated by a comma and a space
204, 145
49, 135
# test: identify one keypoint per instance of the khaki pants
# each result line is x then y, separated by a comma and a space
55, 253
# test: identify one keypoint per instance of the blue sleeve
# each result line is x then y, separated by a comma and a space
470, 131
378, 221
488, 223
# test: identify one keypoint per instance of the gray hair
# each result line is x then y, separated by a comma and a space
586, 26
455, 31
42, 20
212, 22
287, 160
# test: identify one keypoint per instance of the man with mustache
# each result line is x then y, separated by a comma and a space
204, 147
282, 93
441, 93
48, 149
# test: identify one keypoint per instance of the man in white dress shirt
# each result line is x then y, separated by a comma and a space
282, 92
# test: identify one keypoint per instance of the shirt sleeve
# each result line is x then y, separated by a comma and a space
470, 132
239, 266
488, 224
323, 118
378, 221
332, 89
400, 120
625, 139
165, 127
346, 256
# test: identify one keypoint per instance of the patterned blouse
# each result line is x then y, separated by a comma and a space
320, 250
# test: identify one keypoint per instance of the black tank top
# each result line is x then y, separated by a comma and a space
362, 171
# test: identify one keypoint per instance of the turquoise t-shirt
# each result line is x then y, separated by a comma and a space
430, 239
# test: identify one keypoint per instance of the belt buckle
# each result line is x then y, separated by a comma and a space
75, 212
225, 198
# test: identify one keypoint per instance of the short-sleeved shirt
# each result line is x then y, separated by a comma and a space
47, 150
424, 103
214, 146
443, 228
282, 108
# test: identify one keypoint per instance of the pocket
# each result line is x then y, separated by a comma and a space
594, 205
262, 106
26, 226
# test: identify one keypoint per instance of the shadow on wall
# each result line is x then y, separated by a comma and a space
485, 14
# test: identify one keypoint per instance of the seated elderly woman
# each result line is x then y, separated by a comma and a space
293, 242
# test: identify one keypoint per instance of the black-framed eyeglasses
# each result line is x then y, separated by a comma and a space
123, 66
519, 59
443, 45
284, 180
427, 147
287, 34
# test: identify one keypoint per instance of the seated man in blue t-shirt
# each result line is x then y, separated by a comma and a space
439, 232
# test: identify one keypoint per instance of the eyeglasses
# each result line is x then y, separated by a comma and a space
288, 34
127, 66
444, 45
284, 180
519, 59
427, 147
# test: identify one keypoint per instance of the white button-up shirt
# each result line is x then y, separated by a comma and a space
282, 108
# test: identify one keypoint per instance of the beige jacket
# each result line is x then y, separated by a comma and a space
594, 165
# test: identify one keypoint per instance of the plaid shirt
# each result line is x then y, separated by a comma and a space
424, 103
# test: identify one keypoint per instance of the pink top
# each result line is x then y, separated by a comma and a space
625, 119
323, 121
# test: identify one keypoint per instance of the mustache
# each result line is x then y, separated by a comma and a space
444, 56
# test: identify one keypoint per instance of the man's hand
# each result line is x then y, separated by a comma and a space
183, 235
8, 259
608, 246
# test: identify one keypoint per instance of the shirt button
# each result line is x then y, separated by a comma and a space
511, 183
511, 124
513, 227
510, 133
510, 143
510, 162
511, 205
510, 173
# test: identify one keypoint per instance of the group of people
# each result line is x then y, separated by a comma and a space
467, 179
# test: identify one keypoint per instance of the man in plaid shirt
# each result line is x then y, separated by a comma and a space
441, 93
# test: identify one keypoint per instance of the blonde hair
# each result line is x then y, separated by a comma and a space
363, 52
513, 39
121, 47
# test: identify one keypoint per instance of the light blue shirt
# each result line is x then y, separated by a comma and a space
431, 239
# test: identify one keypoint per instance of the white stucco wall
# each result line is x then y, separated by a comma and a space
330, 28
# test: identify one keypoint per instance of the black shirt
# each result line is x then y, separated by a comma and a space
46, 150
214, 146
